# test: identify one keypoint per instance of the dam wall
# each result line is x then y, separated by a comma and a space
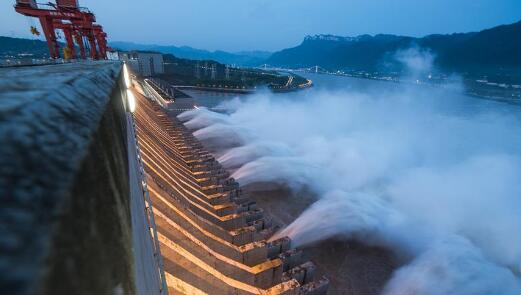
213, 238
103, 193
67, 222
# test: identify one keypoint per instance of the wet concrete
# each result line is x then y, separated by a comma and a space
352, 267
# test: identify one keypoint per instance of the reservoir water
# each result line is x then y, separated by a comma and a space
456, 102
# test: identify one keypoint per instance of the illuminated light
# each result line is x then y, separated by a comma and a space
277, 289
181, 286
242, 249
126, 76
259, 268
160, 172
131, 100
155, 153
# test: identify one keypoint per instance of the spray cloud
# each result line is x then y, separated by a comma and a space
427, 172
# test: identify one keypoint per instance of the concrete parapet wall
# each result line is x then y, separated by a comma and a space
65, 217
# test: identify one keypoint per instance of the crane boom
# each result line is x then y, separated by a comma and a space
77, 23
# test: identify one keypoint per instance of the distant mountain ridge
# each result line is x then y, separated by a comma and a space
11, 47
496, 47
34, 48
245, 58
485, 51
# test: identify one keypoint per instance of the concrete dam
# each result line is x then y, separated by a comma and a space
108, 193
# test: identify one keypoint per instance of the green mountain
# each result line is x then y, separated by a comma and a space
490, 49
484, 52
18, 47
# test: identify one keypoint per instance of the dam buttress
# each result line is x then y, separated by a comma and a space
213, 238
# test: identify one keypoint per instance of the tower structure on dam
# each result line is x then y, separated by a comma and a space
213, 238
77, 23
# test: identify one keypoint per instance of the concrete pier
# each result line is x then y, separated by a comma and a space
213, 237
67, 224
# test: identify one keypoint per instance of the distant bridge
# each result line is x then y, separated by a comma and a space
314, 69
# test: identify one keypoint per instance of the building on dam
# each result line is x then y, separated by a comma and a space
144, 63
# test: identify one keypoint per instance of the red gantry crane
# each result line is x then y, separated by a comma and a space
77, 24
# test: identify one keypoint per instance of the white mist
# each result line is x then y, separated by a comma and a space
407, 168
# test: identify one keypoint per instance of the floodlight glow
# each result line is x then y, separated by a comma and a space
131, 100
126, 76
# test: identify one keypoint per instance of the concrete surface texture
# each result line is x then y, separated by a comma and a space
65, 217
351, 267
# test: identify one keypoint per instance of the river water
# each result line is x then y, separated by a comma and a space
430, 173
457, 103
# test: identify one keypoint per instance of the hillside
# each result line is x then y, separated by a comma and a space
21, 48
498, 47
484, 52
244, 58
180, 71
18, 47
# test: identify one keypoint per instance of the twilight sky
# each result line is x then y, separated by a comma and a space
236, 25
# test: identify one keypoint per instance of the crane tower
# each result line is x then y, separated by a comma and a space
77, 24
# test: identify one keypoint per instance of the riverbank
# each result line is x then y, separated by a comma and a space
495, 91
216, 89
244, 90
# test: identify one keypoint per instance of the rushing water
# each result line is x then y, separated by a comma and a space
211, 99
428, 172
459, 103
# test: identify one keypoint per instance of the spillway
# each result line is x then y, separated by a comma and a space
213, 238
